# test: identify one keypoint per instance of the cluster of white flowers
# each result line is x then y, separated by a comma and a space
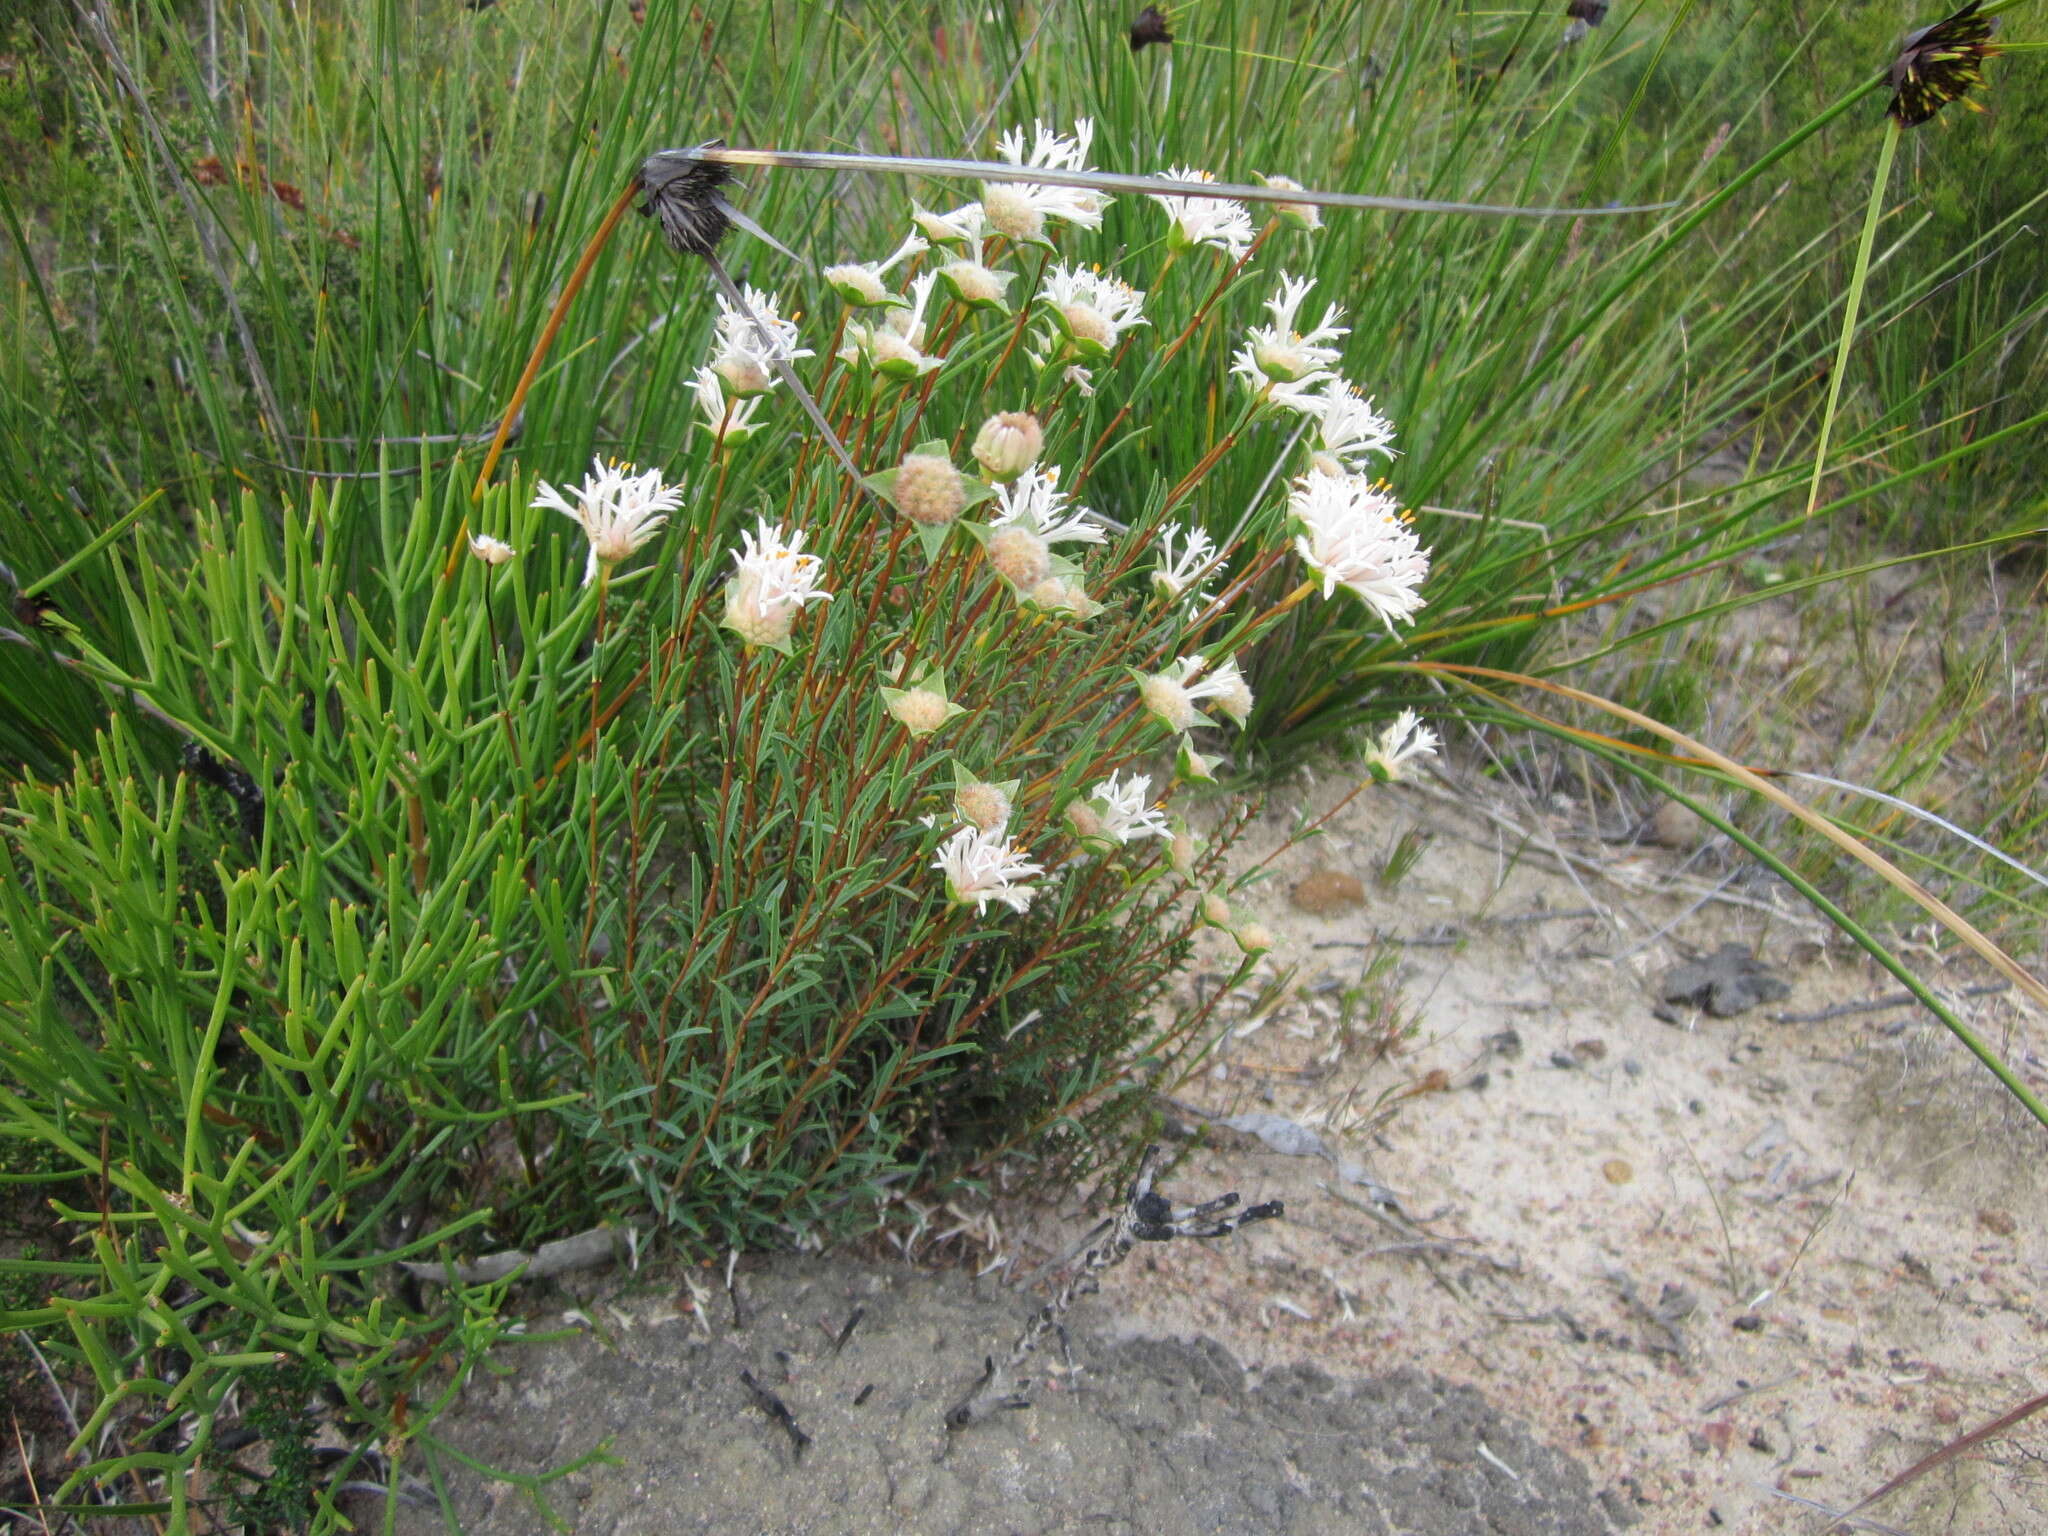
1178, 577
1172, 695
982, 866
1348, 530
1114, 813
1019, 209
895, 348
1281, 362
773, 583
1352, 535
1213, 221
618, 511
749, 342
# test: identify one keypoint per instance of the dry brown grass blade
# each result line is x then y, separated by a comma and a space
1949, 1452
1890, 873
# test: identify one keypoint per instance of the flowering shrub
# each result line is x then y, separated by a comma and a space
951, 687
715, 846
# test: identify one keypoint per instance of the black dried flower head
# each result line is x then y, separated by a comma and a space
243, 790
37, 613
687, 195
1940, 64
1150, 27
1591, 12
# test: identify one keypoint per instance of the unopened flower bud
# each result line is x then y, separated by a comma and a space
1086, 823
1180, 853
929, 490
1300, 215
1253, 938
920, 710
1020, 556
1215, 910
984, 805
1059, 594
1008, 444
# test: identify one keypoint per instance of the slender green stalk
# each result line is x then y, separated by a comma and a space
1850, 310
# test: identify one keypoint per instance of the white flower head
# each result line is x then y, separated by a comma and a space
1172, 695
1405, 739
1124, 809
1280, 361
1300, 215
860, 282
1019, 209
1032, 515
747, 345
977, 286
1232, 693
1092, 309
1350, 430
981, 867
618, 511
1034, 500
894, 348
966, 225
1352, 535
774, 581
1213, 221
489, 550
730, 420
1178, 576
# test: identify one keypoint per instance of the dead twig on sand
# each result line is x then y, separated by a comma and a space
1147, 1217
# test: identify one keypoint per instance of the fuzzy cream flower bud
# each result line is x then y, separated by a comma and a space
1181, 853
983, 805
1062, 594
1020, 556
1008, 444
921, 710
1215, 910
1253, 938
929, 490
1086, 823
860, 285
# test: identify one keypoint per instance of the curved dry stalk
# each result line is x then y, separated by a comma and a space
1750, 779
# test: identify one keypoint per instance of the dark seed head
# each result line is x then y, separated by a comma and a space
685, 193
1940, 64
1591, 12
1150, 27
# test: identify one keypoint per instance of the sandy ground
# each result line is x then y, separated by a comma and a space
1560, 1264
1713, 1257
